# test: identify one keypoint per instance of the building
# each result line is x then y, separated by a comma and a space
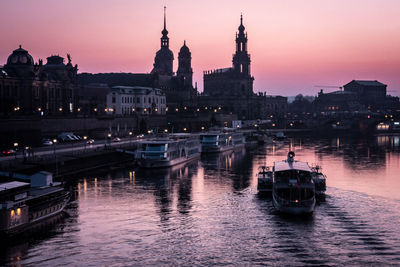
231, 89
372, 94
129, 100
236, 80
29, 88
163, 61
337, 101
357, 96
177, 87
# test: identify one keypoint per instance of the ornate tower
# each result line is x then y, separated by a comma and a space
163, 62
185, 71
241, 59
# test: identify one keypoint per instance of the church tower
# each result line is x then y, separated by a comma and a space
241, 59
185, 71
163, 62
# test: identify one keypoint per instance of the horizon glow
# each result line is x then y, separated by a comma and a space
294, 45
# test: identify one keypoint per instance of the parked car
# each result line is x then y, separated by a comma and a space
47, 142
90, 141
116, 139
8, 152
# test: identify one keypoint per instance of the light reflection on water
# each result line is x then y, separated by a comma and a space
208, 212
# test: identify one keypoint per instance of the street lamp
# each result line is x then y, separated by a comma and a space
130, 138
55, 154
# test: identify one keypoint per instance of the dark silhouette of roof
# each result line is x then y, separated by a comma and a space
122, 79
367, 83
184, 50
20, 57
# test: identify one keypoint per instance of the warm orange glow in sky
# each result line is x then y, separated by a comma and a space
294, 45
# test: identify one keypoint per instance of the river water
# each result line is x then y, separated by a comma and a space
208, 212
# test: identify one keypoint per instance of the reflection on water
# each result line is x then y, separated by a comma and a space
208, 212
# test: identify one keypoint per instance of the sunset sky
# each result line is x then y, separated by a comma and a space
294, 45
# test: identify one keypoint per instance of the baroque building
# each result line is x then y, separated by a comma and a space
163, 62
29, 88
232, 88
177, 87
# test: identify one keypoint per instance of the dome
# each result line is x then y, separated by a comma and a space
165, 54
20, 57
55, 60
184, 50
241, 27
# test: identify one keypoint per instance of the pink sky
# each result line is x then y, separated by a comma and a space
294, 45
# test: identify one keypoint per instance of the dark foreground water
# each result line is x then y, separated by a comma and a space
208, 213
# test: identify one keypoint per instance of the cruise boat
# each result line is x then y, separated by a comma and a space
293, 188
23, 204
264, 180
168, 151
319, 180
214, 142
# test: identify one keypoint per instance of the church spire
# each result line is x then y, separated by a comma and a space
241, 59
165, 19
164, 38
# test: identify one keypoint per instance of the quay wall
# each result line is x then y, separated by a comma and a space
30, 130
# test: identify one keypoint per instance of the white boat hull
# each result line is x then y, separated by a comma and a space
148, 163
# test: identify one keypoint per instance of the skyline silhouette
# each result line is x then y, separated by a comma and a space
293, 46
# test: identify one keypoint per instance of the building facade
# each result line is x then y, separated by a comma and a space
358, 95
130, 100
29, 88
232, 88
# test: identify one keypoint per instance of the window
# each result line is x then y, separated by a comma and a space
113, 99
137, 100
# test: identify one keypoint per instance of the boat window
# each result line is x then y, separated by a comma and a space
155, 147
285, 176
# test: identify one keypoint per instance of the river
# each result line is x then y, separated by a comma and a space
208, 212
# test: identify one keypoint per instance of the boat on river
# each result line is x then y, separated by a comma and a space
167, 151
295, 185
23, 205
219, 141
264, 180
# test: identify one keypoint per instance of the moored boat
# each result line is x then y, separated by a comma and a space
23, 204
264, 180
168, 151
218, 141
